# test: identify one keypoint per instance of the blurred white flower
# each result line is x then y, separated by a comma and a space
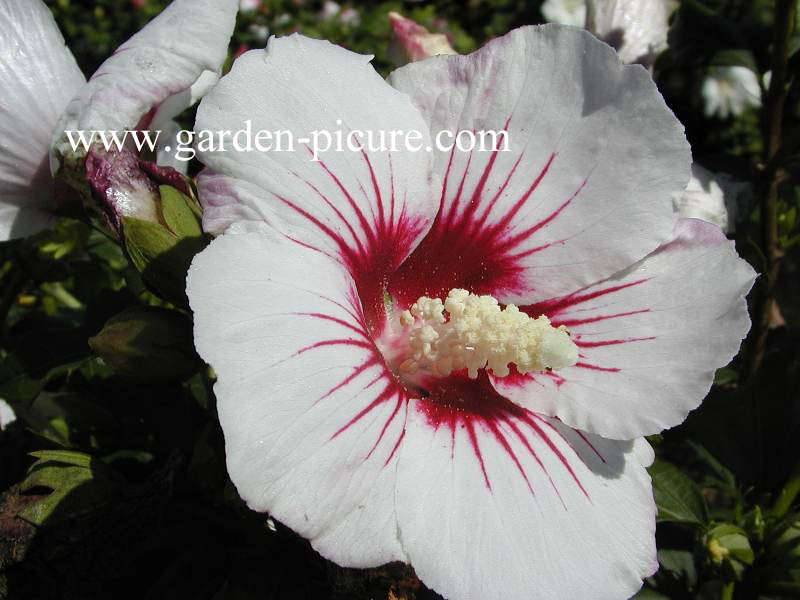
727, 91
712, 197
260, 32
7, 415
565, 12
249, 5
637, 29
329, 10
350, 16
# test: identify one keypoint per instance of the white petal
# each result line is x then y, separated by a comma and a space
360, 207
311, 416
38, 76
176, 104
502, 504
7, 415
166, 57
650, 338
585, 188
565, 12
636, 28
168, 138
712, 197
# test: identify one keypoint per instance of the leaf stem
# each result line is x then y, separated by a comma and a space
727, 591
773, 137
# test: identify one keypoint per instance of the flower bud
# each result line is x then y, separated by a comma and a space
413, 42
147, 343
153, 212
729, 548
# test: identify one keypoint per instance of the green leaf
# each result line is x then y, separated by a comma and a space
679, 562
726, 376
735, 58
722, 472
147, 342
67, 457
61, 471
677, 497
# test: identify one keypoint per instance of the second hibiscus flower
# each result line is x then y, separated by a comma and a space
366, 313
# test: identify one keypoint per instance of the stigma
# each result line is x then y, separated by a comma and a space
473, 332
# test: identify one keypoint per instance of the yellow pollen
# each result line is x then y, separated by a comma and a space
476, 333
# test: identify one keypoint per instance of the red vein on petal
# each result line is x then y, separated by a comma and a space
338, 214
389, 420
347, 380
342, 342
598, 344
555, 306
509, 216
515, 428
583, 365
336, 320
597, 319
462, 250
500, 437
362, 220
588, 443
396, 446
377, 190
490, 205
554, 449
458, 402
388, 392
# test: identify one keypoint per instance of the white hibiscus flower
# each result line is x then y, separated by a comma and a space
348, 420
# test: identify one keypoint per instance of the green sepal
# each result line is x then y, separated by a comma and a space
162, 252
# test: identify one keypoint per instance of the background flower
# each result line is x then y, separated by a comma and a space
727, 91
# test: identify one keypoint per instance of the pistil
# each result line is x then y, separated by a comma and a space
473, 332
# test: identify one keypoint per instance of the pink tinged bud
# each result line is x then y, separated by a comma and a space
413, 42
152, 211
121, 187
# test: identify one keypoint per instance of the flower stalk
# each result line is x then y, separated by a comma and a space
771, 178
788, 494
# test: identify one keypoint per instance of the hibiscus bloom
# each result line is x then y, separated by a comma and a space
637, 29
151, 78
727, 91
348, 420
